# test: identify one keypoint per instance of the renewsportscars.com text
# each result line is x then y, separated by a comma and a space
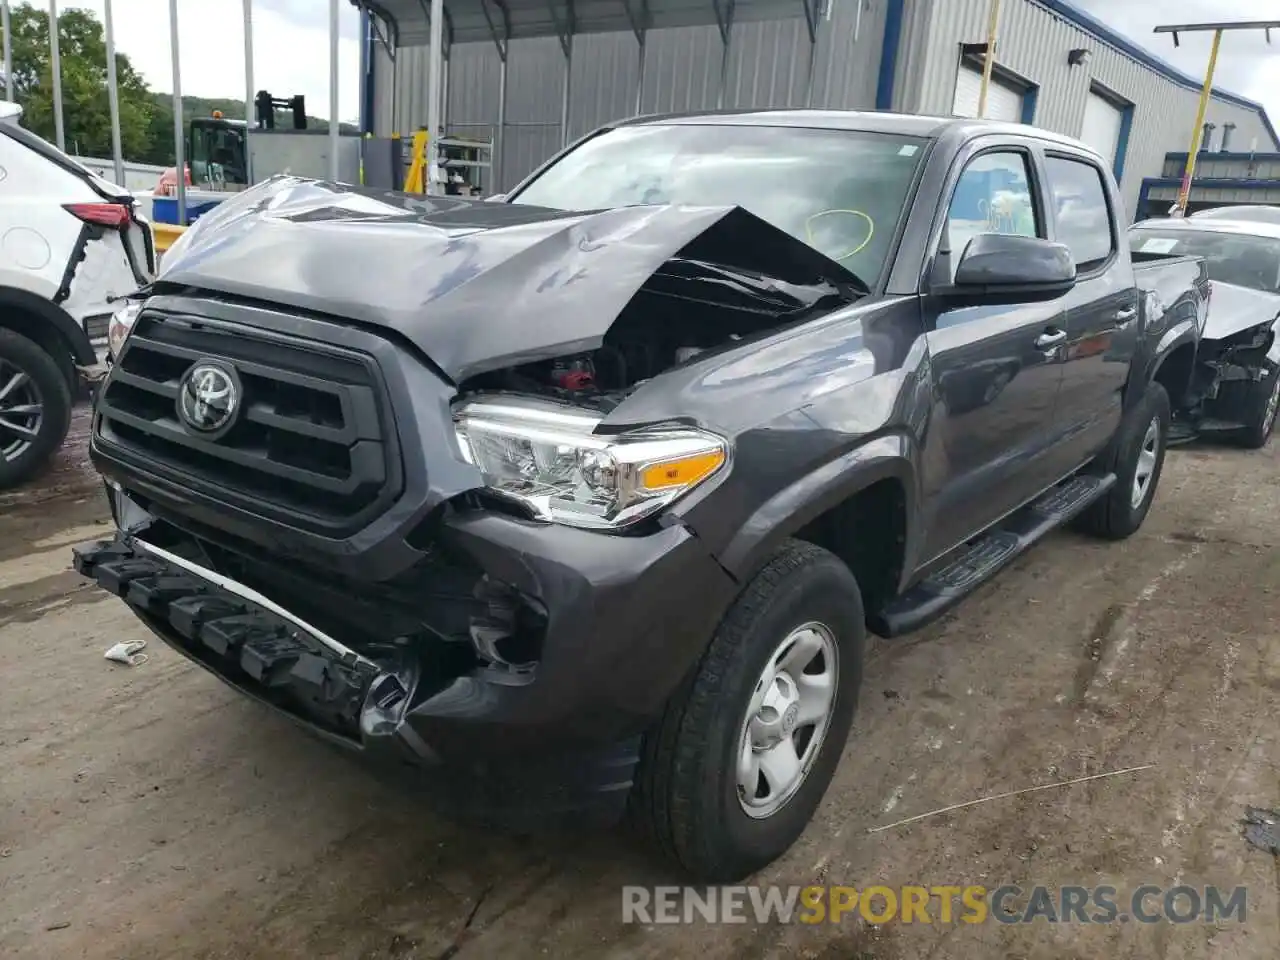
1147, 903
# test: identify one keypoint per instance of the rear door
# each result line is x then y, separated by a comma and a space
1102, 310
989, 443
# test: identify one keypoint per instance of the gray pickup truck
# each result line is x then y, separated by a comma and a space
584, 501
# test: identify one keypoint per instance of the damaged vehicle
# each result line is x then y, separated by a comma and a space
1233, 391
70, 245
582, 503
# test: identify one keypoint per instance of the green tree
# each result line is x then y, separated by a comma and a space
82, 49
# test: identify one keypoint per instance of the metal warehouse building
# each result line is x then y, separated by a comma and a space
534, 75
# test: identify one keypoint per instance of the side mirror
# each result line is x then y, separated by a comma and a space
1003, 266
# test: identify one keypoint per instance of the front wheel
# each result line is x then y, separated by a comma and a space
733, 772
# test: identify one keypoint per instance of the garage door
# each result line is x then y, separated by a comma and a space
1004, 102
1102, 126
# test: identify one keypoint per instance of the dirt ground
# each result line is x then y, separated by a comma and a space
152, 812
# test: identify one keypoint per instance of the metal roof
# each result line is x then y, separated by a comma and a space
498, 20
865, 121
1073, 14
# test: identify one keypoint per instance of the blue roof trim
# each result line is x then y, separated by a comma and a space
889, 54
1084, 21
1221, 183
1243, 156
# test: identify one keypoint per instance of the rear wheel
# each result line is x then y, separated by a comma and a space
35, 408
1136, 457
733, 772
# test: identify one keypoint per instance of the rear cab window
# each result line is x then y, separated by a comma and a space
1082, 212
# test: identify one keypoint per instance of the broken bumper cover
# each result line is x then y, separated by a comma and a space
488, 745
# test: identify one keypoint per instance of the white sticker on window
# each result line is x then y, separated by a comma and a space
907, 150
1158, 245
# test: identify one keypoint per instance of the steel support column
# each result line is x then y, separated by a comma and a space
60, 134
335, 122
502, 41
811, 13
639, 20
6, 39
248, 92
724, 20
179, 134
435, 69
113, 93
1197, 130
565, 30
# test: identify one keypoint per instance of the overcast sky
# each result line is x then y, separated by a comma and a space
291, 46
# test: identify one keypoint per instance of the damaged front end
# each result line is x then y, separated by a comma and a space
430, 530
1235, 355
525, 659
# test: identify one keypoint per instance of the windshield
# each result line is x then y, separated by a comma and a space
1237, 258
840, 191
1251, 213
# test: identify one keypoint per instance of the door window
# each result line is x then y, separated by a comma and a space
993, 195
1084, 218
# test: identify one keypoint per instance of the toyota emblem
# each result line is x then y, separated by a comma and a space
209, 397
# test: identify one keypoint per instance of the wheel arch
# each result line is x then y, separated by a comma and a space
871, 488
47, 324
1178, 344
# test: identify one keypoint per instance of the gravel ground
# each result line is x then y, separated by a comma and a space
151, 812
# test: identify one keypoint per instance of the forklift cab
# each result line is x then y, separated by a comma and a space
216, 147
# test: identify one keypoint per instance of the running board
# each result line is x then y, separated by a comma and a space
980, 559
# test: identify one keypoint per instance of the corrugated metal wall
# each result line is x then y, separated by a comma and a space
768, 67
1034, 43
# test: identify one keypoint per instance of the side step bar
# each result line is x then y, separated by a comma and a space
980, 559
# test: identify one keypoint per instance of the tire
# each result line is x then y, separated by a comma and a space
1121, 512
686, 796
1260, 402
32, 378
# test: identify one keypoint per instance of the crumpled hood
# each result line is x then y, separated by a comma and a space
476, 286
1233, 308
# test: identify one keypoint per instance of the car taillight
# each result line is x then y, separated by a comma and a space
114, 215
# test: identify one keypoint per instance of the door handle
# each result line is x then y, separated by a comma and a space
1051, 338
1127, 314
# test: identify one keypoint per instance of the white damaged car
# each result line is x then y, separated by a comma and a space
71, 245
1233, 390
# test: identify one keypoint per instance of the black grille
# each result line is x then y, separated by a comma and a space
311, 446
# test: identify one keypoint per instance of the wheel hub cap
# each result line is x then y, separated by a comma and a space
787, 718
1273, 403
1146, 467
21, 412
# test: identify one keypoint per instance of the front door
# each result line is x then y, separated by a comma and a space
996, 370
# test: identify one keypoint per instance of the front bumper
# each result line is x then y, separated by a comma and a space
626, 619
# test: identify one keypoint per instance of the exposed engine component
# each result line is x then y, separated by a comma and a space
685, 310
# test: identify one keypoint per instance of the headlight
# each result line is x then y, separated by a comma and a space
121, 325
550, 461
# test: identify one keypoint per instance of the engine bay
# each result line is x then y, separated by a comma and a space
687, 309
